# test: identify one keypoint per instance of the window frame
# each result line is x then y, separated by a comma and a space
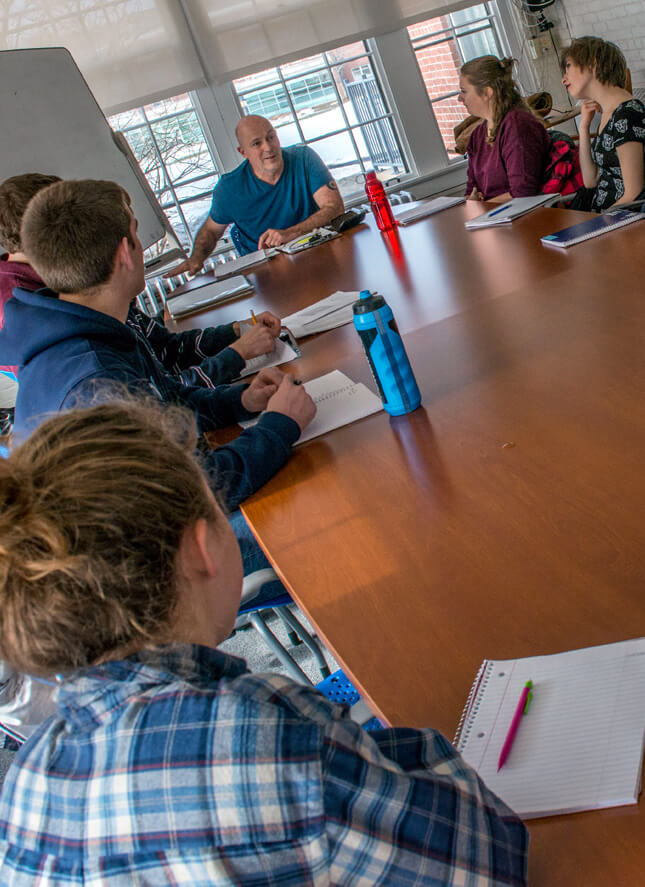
370, 51
172, 200
393, 59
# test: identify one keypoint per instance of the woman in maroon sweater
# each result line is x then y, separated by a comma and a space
509, 151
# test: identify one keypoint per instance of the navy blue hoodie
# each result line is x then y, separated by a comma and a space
69, 355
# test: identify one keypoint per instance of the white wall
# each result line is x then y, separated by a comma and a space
621, 22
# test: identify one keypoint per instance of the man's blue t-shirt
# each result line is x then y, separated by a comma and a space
253, 205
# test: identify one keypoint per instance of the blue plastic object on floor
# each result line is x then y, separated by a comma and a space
338, 688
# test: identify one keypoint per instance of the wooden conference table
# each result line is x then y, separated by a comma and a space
506, 516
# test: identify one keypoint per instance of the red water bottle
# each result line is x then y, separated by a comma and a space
379, 203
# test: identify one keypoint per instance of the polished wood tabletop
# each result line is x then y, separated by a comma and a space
505, 517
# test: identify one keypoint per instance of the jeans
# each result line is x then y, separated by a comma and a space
253, 558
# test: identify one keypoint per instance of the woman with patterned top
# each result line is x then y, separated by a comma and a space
613, 165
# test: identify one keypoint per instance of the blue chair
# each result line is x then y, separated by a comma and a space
256, 611
338, 688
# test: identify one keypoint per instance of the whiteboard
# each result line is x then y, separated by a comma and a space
52, 124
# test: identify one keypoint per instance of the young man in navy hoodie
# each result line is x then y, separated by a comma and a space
75, 348
205, 358
81, 239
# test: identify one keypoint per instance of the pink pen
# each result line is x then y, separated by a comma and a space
522, 708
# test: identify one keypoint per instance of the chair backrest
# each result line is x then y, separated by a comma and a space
563, 173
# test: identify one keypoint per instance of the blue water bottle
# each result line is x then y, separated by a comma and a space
386, 354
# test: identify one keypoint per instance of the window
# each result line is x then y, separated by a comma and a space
441, 46
167, 139
334, 102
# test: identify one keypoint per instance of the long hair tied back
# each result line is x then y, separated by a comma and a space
92, 509
489, 71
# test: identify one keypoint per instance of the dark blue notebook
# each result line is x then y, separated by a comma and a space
591, 228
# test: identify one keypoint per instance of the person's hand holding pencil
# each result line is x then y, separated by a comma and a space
258, 337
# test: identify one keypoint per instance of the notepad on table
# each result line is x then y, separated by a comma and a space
600, 224
579, 746
282, 353
327, 314
241, 263
211, 293
507, 212
339, 402
406, 213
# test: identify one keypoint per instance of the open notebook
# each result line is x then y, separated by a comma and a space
326, 314
286, 349
339, 401
579, 746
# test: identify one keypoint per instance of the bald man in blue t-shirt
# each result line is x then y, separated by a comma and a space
274, 196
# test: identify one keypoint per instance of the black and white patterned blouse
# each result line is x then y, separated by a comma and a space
626, 124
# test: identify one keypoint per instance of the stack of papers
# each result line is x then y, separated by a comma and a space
339, 401
234, 266
406, 213
203, 295
513, 209
327, 314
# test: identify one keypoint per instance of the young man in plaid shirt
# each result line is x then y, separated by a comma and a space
167, 763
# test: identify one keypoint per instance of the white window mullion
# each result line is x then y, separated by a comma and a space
402, 79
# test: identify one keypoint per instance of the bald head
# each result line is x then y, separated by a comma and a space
258, 142
250, 126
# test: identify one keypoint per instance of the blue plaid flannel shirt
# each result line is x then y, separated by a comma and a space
177, 766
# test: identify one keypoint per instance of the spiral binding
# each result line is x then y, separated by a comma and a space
473, 702
592, 234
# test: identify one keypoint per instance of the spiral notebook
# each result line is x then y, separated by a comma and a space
579, 746
601, 224
339, 401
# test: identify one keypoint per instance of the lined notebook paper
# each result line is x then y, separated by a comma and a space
327, 314
579, 747
282, 353
339, 401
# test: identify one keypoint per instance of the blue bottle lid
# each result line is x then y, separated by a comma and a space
368, 303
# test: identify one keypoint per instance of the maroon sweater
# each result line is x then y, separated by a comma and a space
15, 274
515, 162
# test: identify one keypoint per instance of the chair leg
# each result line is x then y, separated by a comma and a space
285, 658
290, 620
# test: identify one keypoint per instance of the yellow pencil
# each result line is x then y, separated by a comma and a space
253, 317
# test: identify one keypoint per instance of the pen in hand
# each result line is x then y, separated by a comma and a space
254, 319
522, 709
